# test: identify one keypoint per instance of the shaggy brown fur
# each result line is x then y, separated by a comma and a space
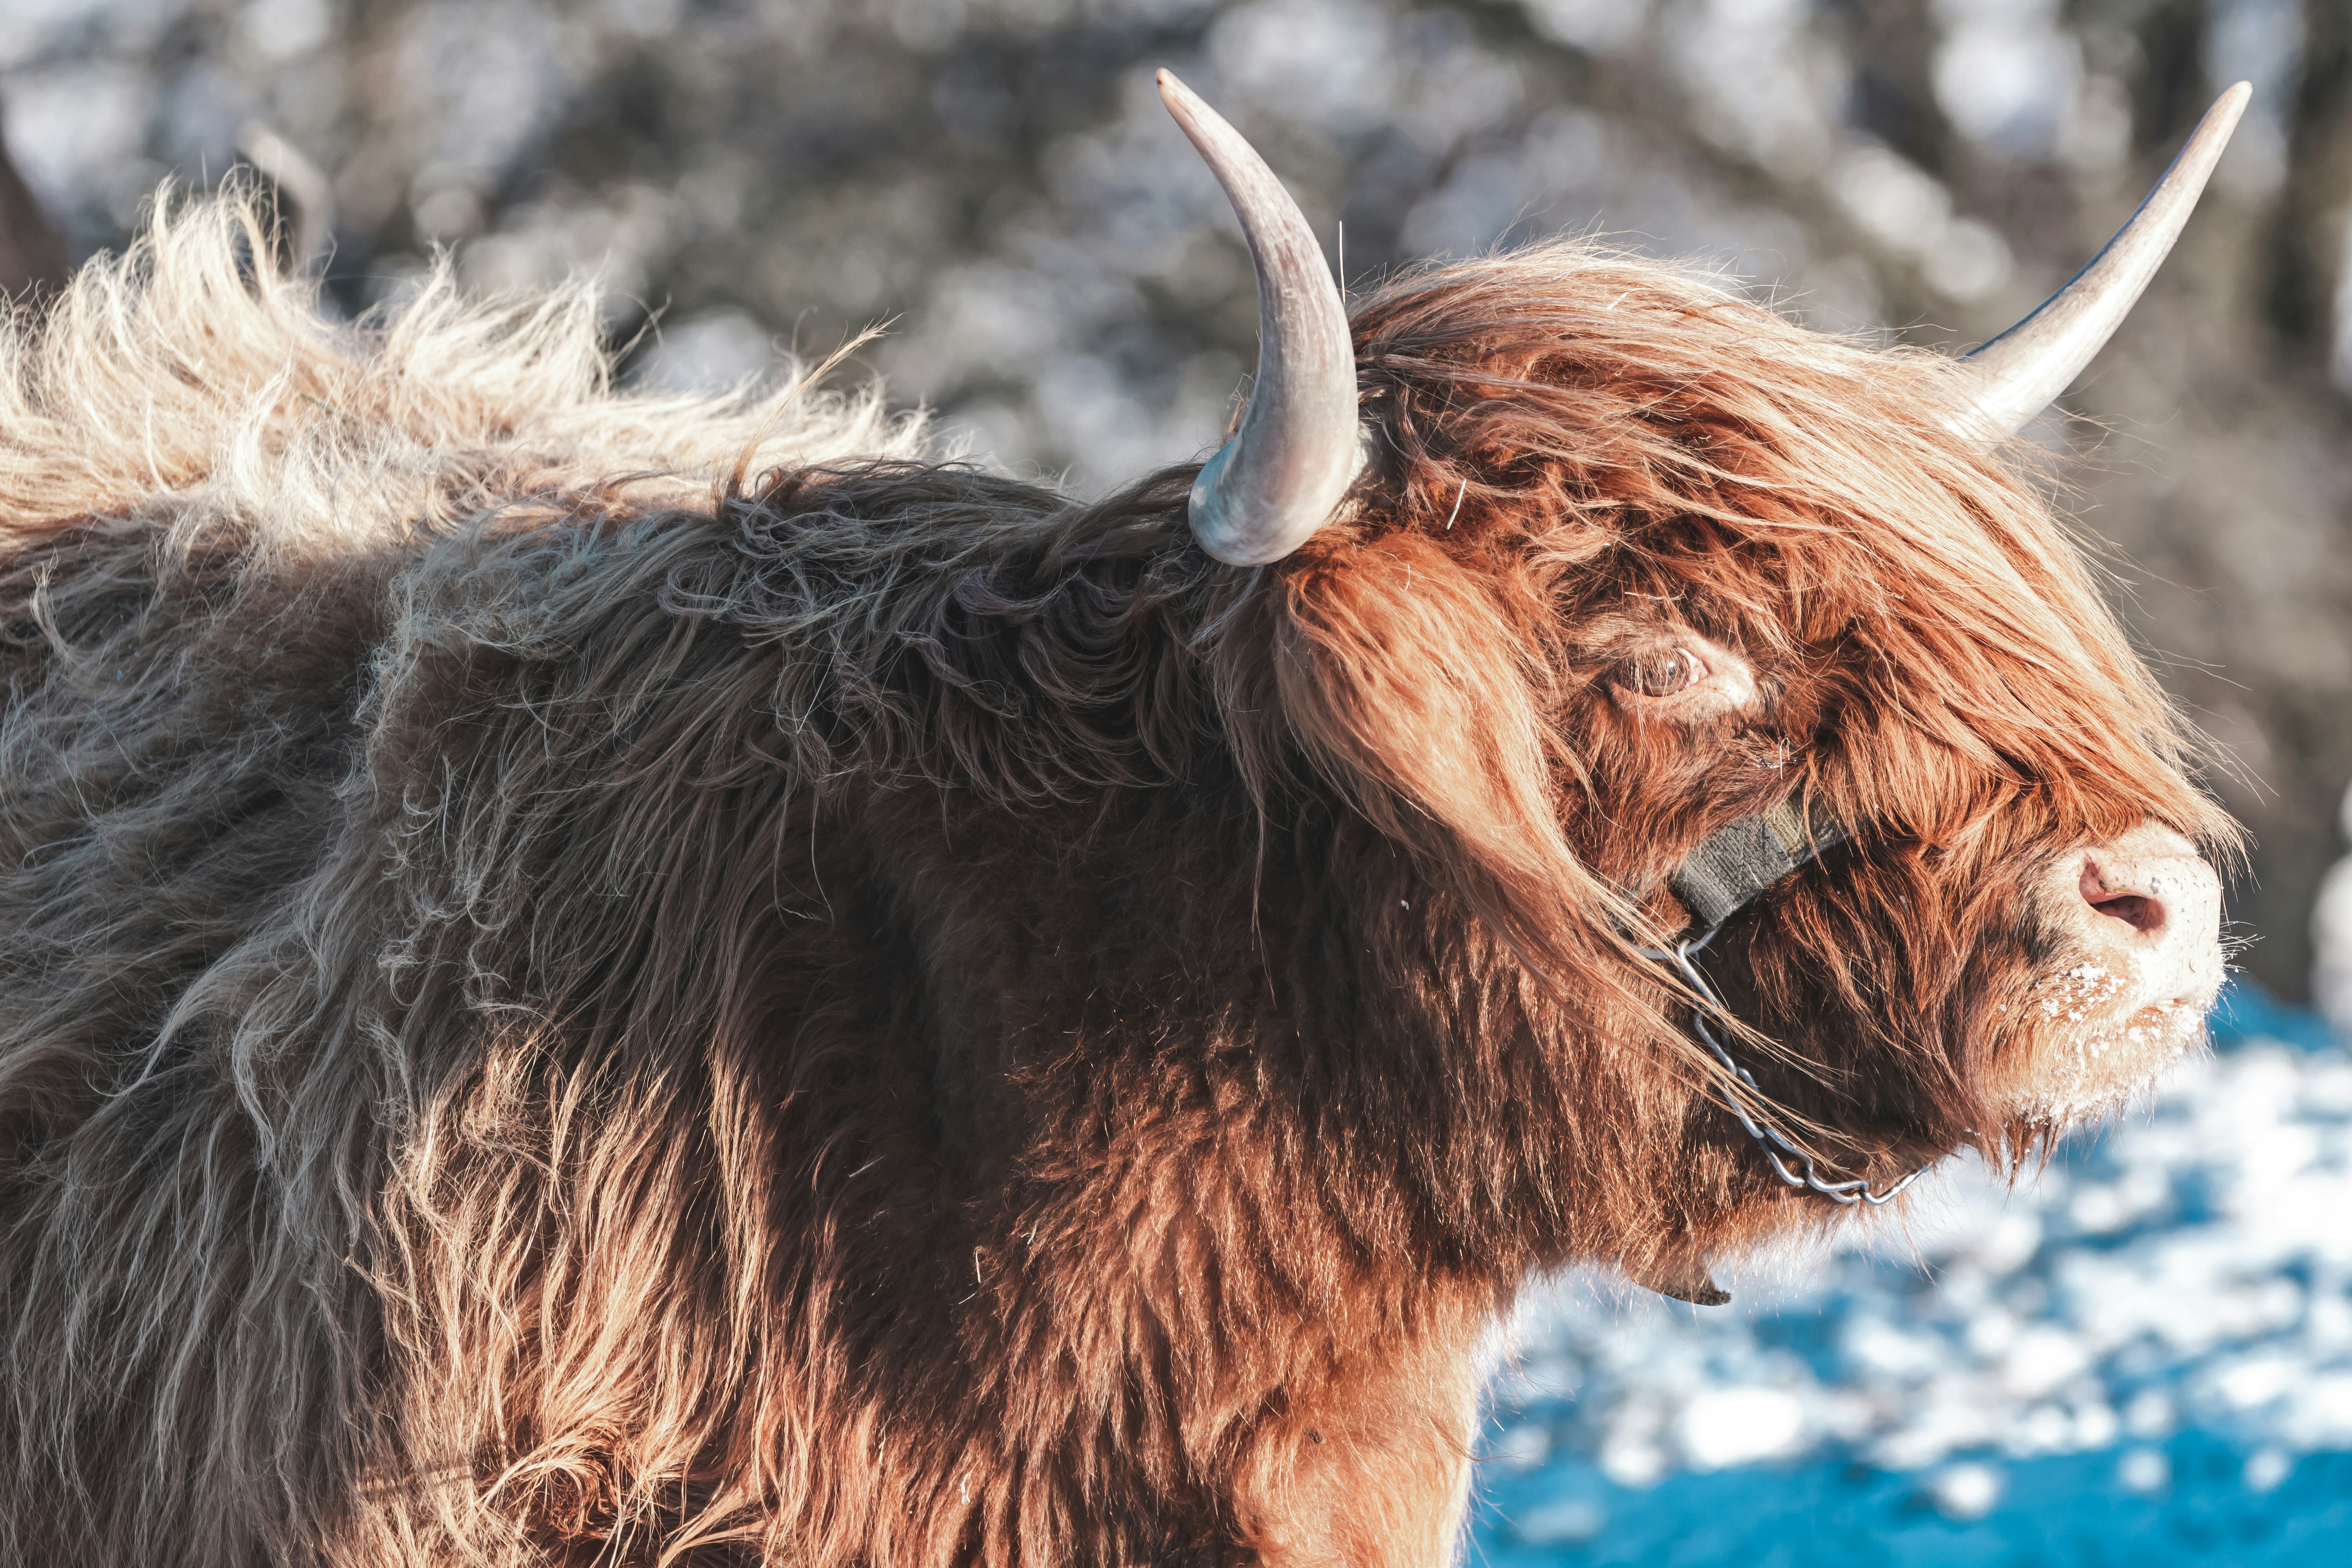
586, 978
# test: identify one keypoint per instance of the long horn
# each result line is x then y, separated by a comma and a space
2020, 373
1277, 480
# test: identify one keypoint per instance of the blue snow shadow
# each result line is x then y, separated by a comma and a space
2229, 1482
2073, 1510
2247, 1012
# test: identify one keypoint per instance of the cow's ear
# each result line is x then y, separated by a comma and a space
1412, 692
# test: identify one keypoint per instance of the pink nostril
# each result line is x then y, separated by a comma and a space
2143, 912
2136, 911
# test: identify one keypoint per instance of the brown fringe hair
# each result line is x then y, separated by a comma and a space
588, 977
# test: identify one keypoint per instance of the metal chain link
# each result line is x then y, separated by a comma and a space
1769, 1138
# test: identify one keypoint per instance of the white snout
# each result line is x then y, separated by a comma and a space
2152, 907
2138, 923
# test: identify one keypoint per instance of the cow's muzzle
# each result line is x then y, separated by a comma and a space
2137, 929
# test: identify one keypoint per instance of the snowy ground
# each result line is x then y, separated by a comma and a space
2145, 1356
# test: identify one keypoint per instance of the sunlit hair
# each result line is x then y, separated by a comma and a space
597, 976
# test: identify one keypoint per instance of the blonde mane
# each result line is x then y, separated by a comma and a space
193, 373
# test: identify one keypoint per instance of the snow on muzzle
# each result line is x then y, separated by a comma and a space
2138, 928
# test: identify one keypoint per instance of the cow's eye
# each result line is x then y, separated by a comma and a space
1689, 679
1666, 673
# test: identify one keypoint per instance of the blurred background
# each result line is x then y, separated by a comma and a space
996, 180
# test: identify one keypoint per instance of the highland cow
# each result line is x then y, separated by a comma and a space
593, 977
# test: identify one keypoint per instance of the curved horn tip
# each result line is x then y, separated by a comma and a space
1285, 471
2011, 378
1190, 111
